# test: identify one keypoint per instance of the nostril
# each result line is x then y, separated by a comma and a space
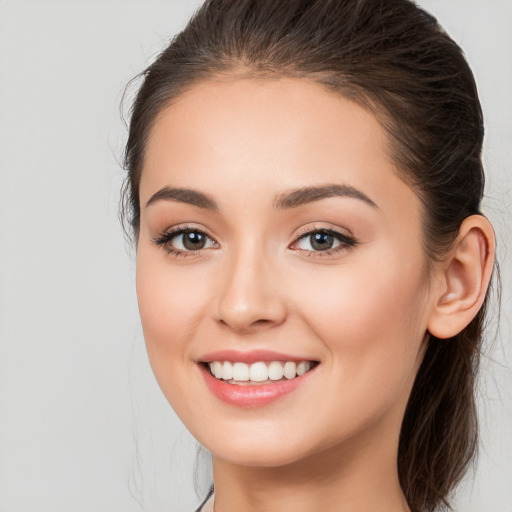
261, 322
246, 327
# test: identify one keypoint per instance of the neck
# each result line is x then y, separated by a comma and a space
337, 480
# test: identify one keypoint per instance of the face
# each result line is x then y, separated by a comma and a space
276, 239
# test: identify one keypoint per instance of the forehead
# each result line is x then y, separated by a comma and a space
273, 133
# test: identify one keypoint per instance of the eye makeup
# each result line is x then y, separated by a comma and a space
186, 241
326, 241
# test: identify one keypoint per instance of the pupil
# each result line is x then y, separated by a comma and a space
321, 241
193, 241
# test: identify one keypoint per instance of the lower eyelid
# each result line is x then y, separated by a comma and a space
328, 252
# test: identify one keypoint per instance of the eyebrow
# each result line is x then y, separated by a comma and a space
305, 195
184, 195
287, 200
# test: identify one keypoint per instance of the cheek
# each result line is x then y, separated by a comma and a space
171, 304
371, 320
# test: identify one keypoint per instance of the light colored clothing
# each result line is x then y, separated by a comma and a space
208, 506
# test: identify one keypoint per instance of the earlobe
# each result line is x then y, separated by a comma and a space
463, 278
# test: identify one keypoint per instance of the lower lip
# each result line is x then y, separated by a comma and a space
256, 395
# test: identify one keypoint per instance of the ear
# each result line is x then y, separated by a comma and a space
463, 278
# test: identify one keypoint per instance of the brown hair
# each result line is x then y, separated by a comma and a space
395, 59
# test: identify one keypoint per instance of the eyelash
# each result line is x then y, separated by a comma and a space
165, 238
346, 242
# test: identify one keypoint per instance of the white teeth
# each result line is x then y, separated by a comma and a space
303, 367
227, 370
258, 372
217, 369
275, 370
240, 372
290, 369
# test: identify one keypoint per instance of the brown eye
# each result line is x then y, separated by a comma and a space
193, 240
321, 241
186, 240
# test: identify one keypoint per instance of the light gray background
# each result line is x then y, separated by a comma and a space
83, 426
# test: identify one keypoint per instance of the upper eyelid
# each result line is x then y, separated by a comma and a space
180, 229
344, 232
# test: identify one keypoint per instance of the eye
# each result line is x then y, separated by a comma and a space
181, 241
189, 241
323, 240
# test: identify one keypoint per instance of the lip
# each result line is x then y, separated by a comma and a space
253, 356
251, 396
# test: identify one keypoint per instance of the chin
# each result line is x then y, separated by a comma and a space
267, 449
255, 449
259, 456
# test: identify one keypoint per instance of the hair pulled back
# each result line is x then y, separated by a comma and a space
393, 58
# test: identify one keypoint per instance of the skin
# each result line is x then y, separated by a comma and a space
362, 312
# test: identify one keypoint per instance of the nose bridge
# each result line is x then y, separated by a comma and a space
249, 295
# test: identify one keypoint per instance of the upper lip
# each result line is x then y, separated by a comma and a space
248, 357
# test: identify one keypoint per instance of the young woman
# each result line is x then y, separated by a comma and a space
304, 182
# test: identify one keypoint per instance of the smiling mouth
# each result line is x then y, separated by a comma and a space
258, 373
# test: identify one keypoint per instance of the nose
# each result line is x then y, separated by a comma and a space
250, 298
